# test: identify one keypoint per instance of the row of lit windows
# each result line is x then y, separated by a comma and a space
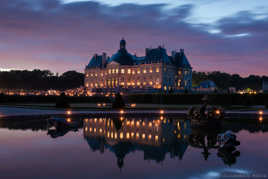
122, 135
155, 123
125, 71
114, 83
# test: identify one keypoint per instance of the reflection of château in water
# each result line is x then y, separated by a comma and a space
155, 137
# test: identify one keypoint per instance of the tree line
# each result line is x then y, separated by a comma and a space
45, 79
40, 80
225, 80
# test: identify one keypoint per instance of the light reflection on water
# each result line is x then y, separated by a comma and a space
127, 147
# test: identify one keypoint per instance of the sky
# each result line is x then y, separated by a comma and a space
61, 35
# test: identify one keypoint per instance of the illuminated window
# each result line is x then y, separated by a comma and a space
139, 71
101, 74
137, 135
144, 83
122, 83
143, 136
157, 70
127, 135
179, 83
151, 83
138, 123
115, 135
132, 134
91, 74
156, 137
179, 72
150, 136
121, 135
165, 88
144, 71
112, 71
109, 71
116, 71
122, 71
96, 74
143, 123
138, 83
129, 71
133, 72
150, 124
87, 85
151, 70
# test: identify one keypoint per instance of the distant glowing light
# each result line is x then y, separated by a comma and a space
162, 111
68, 112
122, 111
260, 112
218, 112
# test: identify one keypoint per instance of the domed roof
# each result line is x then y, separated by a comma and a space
122, 57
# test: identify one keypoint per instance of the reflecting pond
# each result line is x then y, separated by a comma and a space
130, 147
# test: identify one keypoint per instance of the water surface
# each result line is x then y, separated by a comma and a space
140, 147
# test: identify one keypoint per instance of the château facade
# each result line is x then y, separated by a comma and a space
124, 72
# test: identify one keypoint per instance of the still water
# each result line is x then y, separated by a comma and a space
128, 147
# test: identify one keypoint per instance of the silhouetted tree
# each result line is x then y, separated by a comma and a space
40, 80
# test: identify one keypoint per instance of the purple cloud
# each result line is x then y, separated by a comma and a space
50, 34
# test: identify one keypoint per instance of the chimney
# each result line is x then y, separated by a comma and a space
147, 51
173, 53
104, 59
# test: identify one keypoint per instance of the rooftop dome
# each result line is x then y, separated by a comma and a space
122, 56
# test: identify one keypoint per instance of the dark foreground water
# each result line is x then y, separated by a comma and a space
130, 148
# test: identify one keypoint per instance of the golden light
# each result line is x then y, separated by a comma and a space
122, 111
121, 118
150, 136
133, 105
260, 112
162, 111
161, 118
99, 104
128, 135
150, 124
132, 134
260, 118
143, 136
121, 135
69, 112
218, 112
69, 120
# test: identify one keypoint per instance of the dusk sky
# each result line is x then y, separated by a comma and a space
226, 35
